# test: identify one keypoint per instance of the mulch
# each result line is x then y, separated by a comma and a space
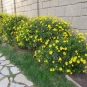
81, 79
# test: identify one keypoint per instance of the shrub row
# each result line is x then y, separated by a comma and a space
54, 43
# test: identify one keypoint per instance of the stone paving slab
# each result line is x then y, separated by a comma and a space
4, 82
0, 54
5, 71
22, 79
11, 76
14, 70
2, 58
6, 62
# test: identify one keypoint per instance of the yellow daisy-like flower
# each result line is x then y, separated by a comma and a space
84, 61
58, 50
70, 62
50, 45
85, 66
85, 54
56, 47
54, 29
49, 26
35, 53
78, 61
59, 59
57, 41
84, 71
64, 53
66, 63
53, 44
38, 51
65, 48
50, 52
53, 61
52, 69
71, 73
61, 48
38, 60
43, 46
46, 61
68, 70
60, 69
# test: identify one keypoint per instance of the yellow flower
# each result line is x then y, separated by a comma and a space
65, 41
84, 71
60, 26
84, 61
53, 61
70, 62
43, 46
50, 52
76, 51
71, 73
64, 53
60, 69
38, 51
36, 36
46, 61
66, 63
36, 31
61, 48
85, 54
68, 70
20, 44
35, 53
65, 48
49, 26
78, 61
72, 65
54, 37
60, 59
30, 36
57, 41
77, 31
50, 45
52, 69
58, 50
54, 29
47, 41
85, 66
38, 60
74, 59
53, 44
56, 47
40, 39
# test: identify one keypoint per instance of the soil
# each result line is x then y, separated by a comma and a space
81, 79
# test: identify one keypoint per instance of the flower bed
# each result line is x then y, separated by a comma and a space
52, 40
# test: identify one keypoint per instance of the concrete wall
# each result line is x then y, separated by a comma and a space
0, 6
73, 11
27, 7
8, 6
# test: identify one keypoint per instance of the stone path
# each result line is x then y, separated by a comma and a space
11, 76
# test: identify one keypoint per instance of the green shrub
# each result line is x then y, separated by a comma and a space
3, 18
11, 28
39, 29
54, 43
64, 52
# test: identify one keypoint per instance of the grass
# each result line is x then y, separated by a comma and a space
38, 73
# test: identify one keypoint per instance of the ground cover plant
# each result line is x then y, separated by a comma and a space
50, 39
